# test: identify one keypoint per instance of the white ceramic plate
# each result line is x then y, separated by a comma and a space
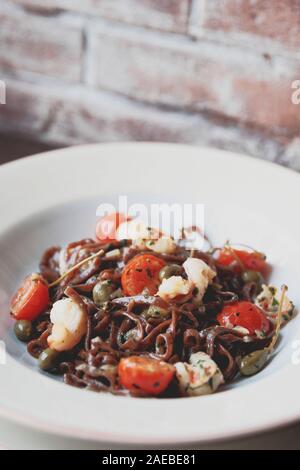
52, 198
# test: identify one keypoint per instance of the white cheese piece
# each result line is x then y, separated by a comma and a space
201, 376
69, 325
174, 286
145, 238
200, 274
268, 300
162, 245
135, 230
240, 329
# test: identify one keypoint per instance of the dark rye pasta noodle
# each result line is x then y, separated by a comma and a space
149, 316
120, 324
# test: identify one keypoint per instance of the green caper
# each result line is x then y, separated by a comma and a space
252, 276
254, 362
23, 330
48, 359
102, 292
156, 312
170, 270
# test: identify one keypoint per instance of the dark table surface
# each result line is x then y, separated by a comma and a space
13, 147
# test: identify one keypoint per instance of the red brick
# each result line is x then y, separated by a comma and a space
169, 15
75, 115
71, 116
41, 45
276, 20
25, 110
207, 77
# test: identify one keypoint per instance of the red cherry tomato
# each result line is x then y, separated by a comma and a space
107, 226
244, 314
31, 299
250, 260
145, 374
142, 272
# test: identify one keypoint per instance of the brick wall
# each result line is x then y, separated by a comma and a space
213, 72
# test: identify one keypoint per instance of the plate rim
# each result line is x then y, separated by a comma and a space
33, 422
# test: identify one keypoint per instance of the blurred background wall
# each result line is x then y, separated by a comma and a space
213, 72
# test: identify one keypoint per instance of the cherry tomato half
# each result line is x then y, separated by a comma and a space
145, 374
108, 225
250, 260
244, 314
142, 272
31, 299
